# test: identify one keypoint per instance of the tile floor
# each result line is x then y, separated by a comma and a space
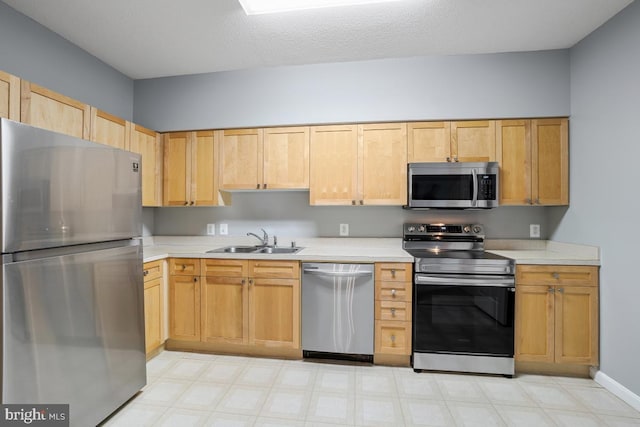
189, 389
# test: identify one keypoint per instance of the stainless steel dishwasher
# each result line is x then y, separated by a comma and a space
338, 311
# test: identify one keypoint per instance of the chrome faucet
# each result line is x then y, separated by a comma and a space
264, 240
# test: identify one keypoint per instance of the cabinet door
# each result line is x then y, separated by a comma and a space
110, 130
148, 144
177, 169
204, 189
333, 165
429, 141
286, 158
473, 141
9, 96
534, 327
274, 312
184, 301
153, 314
383, 170
241, 159
550, 161
46, 109
224, 310
513, 148
576, 339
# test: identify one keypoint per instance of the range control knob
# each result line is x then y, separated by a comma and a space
477, 229
411, 228
466, 229
421, 228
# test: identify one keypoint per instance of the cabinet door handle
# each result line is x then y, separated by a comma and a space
264, 186
361, 202
455, 159
448, 159
550, 290
186, 203
561, 290
146, 272
353, 202
191, 203
393, 339
528, 201
257, 186
393, 312
195, 279
243, 281
250, 282
537, 201
555, 276
184, 267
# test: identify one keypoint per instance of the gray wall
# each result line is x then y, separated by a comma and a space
32, 52
289, 214
532, 84
605, 202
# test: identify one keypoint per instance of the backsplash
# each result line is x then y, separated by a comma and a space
287, 213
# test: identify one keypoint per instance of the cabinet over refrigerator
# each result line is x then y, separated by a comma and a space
71, 285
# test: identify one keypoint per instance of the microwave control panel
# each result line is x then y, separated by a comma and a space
487, 187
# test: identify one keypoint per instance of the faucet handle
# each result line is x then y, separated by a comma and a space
275, 240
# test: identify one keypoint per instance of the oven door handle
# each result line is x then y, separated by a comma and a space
504, 282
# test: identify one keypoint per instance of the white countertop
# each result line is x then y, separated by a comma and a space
363, 250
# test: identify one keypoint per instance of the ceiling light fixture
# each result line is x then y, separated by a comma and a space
257, 7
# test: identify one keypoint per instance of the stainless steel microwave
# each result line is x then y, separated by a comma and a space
463, 185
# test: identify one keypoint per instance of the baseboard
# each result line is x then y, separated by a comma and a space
616, 388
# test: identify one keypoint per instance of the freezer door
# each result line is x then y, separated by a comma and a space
58, 190
73, 331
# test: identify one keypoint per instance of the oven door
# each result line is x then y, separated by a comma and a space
464, 314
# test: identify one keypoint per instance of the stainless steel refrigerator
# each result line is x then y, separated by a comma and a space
72, 285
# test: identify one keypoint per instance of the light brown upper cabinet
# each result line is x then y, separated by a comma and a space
429, 141
272, 158
148, 144
44, 108
461, 141
534, 161
9, 96
190, 169
358, 164
110, 130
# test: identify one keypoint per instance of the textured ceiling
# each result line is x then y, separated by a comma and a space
155, 38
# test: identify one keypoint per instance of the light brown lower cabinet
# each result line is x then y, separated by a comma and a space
153, 306
557, 314
393, 313
250, 303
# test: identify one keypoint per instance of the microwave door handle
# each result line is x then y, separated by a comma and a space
474, 174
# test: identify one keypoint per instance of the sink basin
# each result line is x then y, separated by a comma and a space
234, 249
270, 250
255, 250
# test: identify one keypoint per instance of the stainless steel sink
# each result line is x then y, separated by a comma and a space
271, 250
255, 250
234, 249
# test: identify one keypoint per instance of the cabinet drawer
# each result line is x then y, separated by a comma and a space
184, 267
393, 272
393, 337
393, 291
556, 274
152, 270
274, 269
393, 310
225, 267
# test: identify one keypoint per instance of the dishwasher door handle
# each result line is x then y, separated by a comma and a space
338, 273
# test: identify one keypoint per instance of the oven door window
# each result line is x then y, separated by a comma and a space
464, 319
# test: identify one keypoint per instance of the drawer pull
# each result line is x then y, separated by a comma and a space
393, 293
393, 312
555, 276
393, 273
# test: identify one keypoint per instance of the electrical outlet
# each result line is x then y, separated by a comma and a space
344, 229
211, 229
224, 229
534, 231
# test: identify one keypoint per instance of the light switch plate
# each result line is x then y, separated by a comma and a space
224, 229
534, 231
344, 229
211, 229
